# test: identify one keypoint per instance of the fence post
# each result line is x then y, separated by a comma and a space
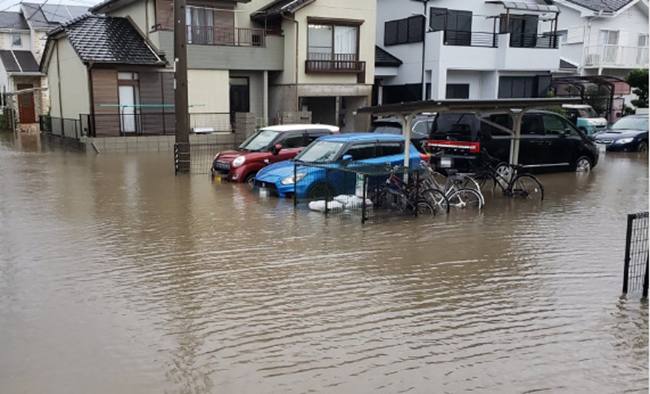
327, 192
295, 184
628, 241
364, 196
645, 280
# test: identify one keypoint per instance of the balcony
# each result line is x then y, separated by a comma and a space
334, 63
470, 38
542, 41
226, 36
616, 56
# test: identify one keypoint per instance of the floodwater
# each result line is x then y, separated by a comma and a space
117, 277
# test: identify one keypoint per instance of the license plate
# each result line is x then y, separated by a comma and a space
445, 162
217, 179
602, 147
264, 192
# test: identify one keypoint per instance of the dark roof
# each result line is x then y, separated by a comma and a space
106, 39
566, 65
12, 20
602, 5
18, 61
278, 7
385, 59
49, 16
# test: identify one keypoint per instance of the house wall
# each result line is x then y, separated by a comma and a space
25, 41
208, 90
73, 82
139, 13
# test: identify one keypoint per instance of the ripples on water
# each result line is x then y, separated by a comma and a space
116, 276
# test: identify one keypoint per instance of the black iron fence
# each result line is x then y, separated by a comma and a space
635, 273
471, 38
197, 158
226, 36
61, 127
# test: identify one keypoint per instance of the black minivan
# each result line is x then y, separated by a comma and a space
548, 141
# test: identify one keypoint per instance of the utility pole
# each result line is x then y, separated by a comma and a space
182, 147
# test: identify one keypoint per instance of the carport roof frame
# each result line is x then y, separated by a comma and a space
418, 107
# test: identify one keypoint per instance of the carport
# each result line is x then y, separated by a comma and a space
406, 112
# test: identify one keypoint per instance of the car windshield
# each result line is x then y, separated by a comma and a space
388, 128
320, 152
259, 141
631, 123
460, 126
587, 113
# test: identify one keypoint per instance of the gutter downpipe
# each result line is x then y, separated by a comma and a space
91, 96
297, 26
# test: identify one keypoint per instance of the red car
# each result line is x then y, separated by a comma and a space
269, 145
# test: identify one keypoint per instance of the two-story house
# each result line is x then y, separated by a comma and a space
274, 59
473, 49
604, 37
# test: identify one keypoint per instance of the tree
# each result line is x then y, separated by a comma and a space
638, 79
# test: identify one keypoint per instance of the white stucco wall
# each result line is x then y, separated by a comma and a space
73, 82
25, 40
208, 90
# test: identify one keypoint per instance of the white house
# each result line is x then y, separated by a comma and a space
476, 49
604, 37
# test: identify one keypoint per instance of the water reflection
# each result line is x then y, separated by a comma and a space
117, 276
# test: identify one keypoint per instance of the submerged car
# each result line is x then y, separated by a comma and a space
548, 141
332, 152
629, 134
269, 145
585, 118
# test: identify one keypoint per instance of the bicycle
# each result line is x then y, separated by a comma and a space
510, 179
409, 197
461, 190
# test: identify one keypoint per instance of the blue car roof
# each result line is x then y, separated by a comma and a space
360, 137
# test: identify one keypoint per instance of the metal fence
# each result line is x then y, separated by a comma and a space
471, 38
152, 123
635, 274
61, 127
197, 158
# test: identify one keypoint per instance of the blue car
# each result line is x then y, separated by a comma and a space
329, 153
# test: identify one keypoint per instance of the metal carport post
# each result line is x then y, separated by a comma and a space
516, 107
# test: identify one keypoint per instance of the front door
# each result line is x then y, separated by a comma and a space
239, 96
127, 108
26, 105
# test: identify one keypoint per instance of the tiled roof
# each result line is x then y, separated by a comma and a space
18, 61
12, 20
385, 59
279, 7
106, 39
602, 5
49, 16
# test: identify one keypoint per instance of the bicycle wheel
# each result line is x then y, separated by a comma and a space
436, 199
528, 187
467, 182
425, 209
466, 199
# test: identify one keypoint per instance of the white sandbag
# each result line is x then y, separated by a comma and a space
344, 199
319, 206
355, 202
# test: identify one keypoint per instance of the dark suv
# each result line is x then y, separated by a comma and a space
548, 140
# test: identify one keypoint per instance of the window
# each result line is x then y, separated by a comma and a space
438, 19
532, 124
643, 40
517, 87
457, 25
457, 91
16, 40
422, 128
553, 125
313, 135
503, 120
404, 31
332, 42
362, 151
123, 76
293, 141
390, 148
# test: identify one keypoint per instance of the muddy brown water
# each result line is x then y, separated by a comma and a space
116, 276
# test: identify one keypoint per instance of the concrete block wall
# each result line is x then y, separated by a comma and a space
155, 143
295, 117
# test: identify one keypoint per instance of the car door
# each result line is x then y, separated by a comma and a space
361, 153
292, 142
561, 143
533, 143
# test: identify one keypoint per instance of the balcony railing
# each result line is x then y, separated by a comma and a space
334, 63
616, 56
544, 41
226, 36
470, 38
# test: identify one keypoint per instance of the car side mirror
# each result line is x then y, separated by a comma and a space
275, 149
347, 157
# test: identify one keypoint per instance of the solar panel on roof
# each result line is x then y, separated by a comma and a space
26, 61
8, 61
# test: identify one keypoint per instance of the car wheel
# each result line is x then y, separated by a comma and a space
250, 179
319, 191
583, 164
642, 147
